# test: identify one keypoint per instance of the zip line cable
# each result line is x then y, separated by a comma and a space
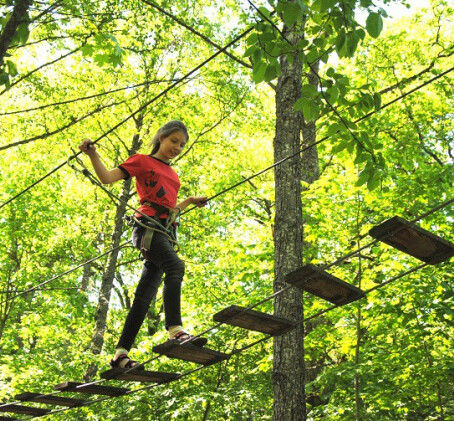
143, 107
256, 174
65, 273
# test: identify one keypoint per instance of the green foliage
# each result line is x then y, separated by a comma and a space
374, 24
396, 163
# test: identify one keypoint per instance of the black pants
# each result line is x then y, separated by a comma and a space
161, 258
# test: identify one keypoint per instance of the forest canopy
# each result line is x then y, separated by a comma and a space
115, 71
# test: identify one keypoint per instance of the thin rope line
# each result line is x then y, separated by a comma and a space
245, 180
255, 305
143, 107
65, 273
248, 346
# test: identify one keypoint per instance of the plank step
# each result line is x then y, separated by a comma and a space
324, 285
92, 389
139, 375
253, 320
190, 352
24, 410
51, 400
413, 240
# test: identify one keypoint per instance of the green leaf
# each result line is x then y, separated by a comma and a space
264, 11
87, 50
257, 56
373, 182
312, 55
291, 13
374, 24
268, 35
310, 108
258, 72
270, 73
252, 39
4, 79
377, 101
330, 72
22, 34
341, 145
12, 69
332, 93
340, 41
250, 51
352, 43
364, 176
323, 5
333, 129
308, 91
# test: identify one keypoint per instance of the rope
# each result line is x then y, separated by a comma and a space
281, 161
143, 107
234, 352
245, 180
297, 323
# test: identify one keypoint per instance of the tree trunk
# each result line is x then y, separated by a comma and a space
97, 340
17, 17
288, 364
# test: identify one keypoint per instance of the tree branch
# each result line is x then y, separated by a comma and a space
45, 65
17, 17
206, 39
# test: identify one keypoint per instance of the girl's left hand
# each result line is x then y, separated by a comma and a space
200, 202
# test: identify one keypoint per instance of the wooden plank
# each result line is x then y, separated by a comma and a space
51, 400
324, 285
24, 410
189, 352
139, 375
92, 389
253, 320
413, 240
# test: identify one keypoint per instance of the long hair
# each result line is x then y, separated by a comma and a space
167, 130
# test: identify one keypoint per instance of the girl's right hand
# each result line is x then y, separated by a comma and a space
88, 147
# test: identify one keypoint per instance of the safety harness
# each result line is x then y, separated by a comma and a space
151, 224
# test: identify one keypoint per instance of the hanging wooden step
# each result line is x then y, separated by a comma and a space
189, 352
24, 410
324, 285
139, 375
413, 240
92, 389
51, 400
253, 320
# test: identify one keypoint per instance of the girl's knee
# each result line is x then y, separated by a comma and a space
175, 268
142, 302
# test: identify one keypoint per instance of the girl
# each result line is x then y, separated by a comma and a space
157, 186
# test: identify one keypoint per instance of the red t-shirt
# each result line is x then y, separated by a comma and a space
156, 182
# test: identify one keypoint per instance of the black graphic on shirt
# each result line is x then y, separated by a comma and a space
162, 192
152, 180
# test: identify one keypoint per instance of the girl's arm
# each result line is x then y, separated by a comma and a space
106, 176
200, 202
